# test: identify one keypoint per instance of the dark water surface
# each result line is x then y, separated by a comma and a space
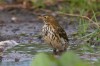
24, 53
21, 63
25, 30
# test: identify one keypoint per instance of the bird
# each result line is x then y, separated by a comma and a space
53, 34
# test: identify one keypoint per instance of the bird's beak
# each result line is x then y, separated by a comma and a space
40, 17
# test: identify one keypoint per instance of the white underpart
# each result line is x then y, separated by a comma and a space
63, 41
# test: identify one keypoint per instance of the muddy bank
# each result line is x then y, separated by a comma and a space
25, 27
22, 29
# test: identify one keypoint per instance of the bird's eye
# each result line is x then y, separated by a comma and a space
45, 16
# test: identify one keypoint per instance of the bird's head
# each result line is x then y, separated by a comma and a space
47, 19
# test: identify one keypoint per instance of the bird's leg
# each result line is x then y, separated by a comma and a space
54, 51
60, 52
64, 49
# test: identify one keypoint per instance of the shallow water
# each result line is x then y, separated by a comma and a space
24, 53
25, 30
21, 63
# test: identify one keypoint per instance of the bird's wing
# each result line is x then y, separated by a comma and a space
62, 33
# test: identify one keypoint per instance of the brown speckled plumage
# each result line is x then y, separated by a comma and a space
54, 34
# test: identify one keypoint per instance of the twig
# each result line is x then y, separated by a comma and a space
88, 35
76, 15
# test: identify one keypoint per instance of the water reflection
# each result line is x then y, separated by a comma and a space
21, 55
21, 63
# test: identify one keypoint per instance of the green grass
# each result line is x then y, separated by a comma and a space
67, 59
80, 7
1, 1
38, 3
